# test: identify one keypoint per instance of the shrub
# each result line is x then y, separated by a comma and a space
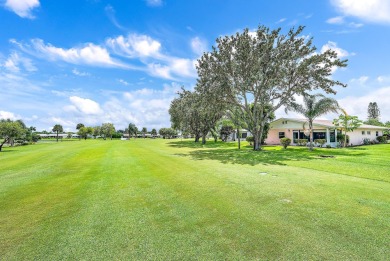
366, 141
328, 146
285, 142
302, 142
320, 142
340, 139
250, 139
381, 139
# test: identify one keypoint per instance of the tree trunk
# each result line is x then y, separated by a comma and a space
57, 136
203, 139
1, 145
345, 139
197, 137
311, 135
238, 137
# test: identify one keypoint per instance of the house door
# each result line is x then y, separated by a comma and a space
295, 136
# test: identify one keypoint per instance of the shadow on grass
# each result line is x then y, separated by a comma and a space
270, 155
4, 151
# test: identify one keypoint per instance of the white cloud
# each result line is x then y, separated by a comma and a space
357, 105
9, 115
89, 54
355, 25
154, 3
383, 79
281, 20
148, 50
361, 80
341, 53
123, 82
336, 20
135, 46
84, 106
78, 73
198, 45
14, 61
156, 69
23, 8
369, 10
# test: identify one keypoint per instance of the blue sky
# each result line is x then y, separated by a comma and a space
94, 61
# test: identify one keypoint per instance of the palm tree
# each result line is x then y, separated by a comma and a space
144, 131
313, 107
57, 129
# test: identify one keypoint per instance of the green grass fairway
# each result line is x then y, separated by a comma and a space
176, 200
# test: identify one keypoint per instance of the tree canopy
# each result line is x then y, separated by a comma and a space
265, 68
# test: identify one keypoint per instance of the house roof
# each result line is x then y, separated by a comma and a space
328, 123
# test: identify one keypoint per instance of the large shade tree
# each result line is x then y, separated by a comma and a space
10, 130
107, 130
313, 107
133, 130
265, 68
196, 113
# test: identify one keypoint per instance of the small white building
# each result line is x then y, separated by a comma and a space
322, 129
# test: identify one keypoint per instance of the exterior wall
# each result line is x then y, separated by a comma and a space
356, 137
273, 136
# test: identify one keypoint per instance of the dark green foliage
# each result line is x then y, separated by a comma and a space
79, 126
117, 135
250, 139
10, 130
57, 129
225, 131
381, 139
341, 139
373, 112
167, 133
268, 68
373, 122
285, 142
367, 141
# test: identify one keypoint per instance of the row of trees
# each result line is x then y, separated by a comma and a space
248, 76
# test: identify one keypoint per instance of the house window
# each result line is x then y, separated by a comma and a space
377, 133
363, 133
281, 135
319, 135
244, 135
332, 136
368, 132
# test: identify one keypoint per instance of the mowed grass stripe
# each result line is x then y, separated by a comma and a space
146, 199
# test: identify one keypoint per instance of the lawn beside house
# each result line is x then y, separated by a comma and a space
172, 199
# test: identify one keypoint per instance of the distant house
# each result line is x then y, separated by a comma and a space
53, 135
322, 129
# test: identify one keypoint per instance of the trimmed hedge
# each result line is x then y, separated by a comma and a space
285, 142
320, 142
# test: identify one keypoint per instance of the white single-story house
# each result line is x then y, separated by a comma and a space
53, 135
322, 129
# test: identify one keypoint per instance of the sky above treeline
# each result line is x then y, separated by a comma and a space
94, 61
